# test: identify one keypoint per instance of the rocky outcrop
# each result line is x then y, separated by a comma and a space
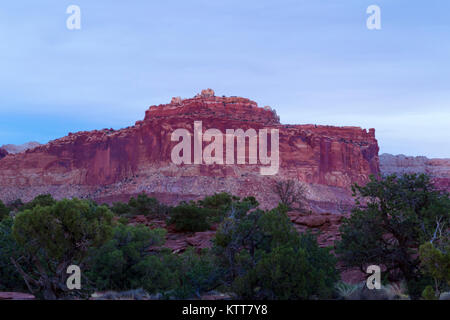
108, 164
437, 169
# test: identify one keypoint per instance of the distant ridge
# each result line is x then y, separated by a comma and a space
12, 148
437, 169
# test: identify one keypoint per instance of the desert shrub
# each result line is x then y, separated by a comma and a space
145, 205
435, 262
123, 263
292, 194
189, 217
121, 208
264, 257
200, 215
196, 273
55, 237
392, 218
344, 289
217, 205
10, 279
4, 211
429, 293
284, 273
43, 200
221, 201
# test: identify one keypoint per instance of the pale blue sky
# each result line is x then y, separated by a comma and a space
313, 61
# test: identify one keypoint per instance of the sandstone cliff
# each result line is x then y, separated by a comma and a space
111, 164
437, 169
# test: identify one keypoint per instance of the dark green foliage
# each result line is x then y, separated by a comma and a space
429, 293
123, 262
393, 217
218, 205
120, 208
4, 211
200, 215
264, 257
10, 279
145, 205
189, 217
221, 200
289, 273
435, 262
43, 200
197, 273
57, 236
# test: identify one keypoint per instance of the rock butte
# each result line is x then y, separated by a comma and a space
109, 165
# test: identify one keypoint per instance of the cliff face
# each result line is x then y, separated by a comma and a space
110, 165
437, 169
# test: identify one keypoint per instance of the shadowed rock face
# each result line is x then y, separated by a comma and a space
3, 153
107, 164
437, 169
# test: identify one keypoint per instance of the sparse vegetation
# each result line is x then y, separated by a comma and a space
400, 223
292, 194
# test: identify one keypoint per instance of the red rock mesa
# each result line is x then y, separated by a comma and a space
109, 165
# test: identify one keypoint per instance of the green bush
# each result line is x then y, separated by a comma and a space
217, 205
43, 200
435, 262
123, 262
264, 257
189, 217
197, 273
429, 293
121, 208
145, 205
57, 236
